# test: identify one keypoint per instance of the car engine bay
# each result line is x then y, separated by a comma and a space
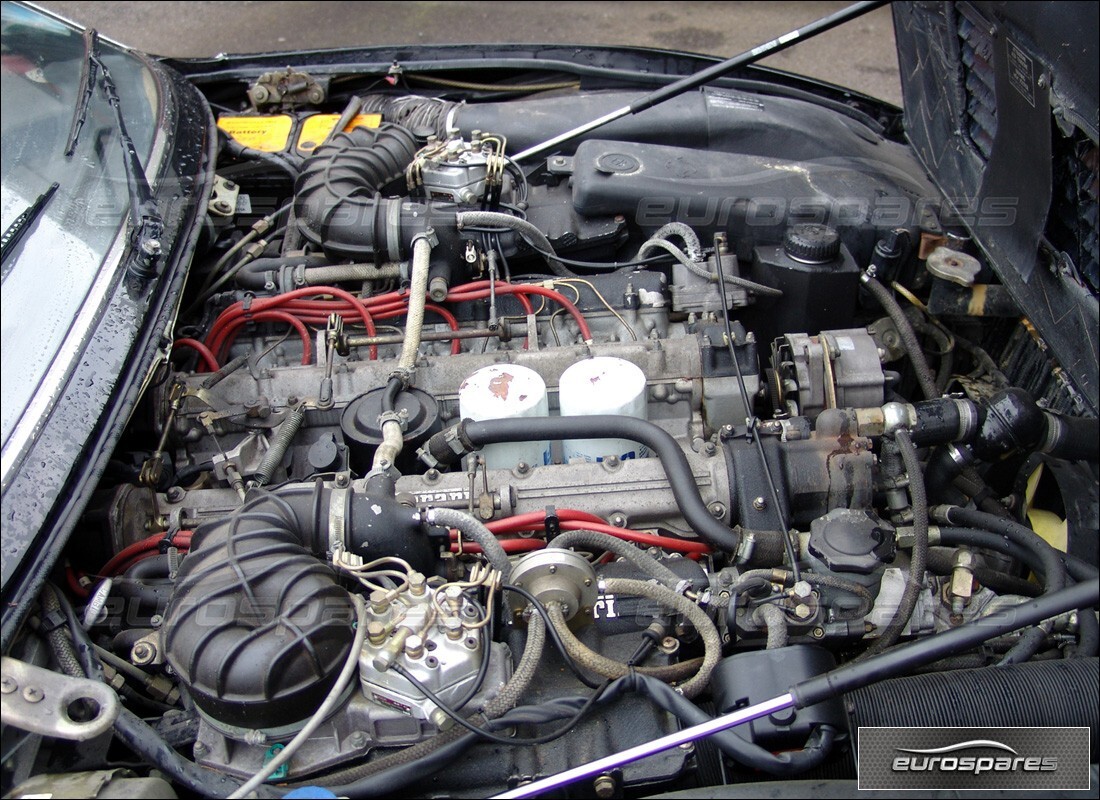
476, 468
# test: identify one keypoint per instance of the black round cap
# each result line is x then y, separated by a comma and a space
812, 243
359, 422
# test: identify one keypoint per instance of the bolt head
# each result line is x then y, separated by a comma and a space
8, 684
759, 503
803, 611
32, 694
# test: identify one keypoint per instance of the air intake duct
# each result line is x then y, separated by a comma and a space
339, 205
257, 627
1044, 694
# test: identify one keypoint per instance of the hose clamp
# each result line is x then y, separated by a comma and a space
1053, 434
387, 417
337, 518
404, 375
968, 419
961, 456
427, 235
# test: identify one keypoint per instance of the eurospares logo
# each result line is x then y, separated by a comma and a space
974, 758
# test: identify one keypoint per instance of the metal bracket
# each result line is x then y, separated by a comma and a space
44, 702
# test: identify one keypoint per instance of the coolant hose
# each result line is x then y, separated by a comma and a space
918, 563
532, 234
59, 641
469, 436
1072, 438
923, 372
476, 532
393, 436
775, 621
418, 291
1008, 422
587, 658
635, 555
313, 269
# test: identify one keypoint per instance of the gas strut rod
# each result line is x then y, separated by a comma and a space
710, 73
840, 681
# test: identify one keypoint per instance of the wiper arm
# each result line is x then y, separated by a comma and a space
148, 225
144, 216
84, 91
20, 226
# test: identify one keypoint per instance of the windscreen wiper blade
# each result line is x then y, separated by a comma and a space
84, 91
20, 226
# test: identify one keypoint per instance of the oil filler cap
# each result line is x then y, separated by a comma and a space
812, 243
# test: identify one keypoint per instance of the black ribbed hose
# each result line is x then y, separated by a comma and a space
1043, 694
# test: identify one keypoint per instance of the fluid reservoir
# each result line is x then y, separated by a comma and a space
602, 385
506, 391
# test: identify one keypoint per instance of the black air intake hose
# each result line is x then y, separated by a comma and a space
1043, 694
1009, 422
257, 627
338, 204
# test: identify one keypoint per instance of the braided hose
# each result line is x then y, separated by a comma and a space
589, 659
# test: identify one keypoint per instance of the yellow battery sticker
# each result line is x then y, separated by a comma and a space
316, 128
267, 133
